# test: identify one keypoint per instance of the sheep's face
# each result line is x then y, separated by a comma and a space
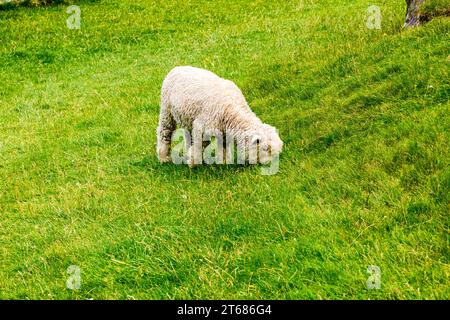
268, 143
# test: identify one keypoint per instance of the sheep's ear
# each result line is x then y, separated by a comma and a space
255, 140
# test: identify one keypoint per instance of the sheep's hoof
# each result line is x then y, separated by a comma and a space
164, 159
191, 163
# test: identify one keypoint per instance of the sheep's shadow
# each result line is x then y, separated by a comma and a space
182, 171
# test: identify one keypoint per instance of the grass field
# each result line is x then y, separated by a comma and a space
364, 176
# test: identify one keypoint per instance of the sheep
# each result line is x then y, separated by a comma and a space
205, 104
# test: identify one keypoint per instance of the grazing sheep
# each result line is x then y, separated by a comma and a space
205, 104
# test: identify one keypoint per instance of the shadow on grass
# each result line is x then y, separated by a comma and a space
40, 4
201, 172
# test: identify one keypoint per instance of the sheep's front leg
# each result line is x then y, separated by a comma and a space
194, 156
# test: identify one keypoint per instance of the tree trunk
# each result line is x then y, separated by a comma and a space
413, 13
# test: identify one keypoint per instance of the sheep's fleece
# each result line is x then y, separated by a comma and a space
205, 104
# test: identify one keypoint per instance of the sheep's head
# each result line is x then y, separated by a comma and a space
267, 142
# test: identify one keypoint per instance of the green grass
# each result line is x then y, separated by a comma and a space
364, 177
432, 8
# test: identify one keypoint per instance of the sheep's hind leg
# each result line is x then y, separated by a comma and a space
165, 129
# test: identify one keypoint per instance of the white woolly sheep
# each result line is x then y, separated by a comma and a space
203, 103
